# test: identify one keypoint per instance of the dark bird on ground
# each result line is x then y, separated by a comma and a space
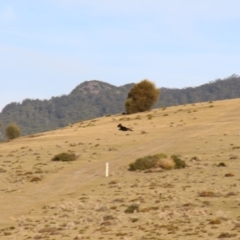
122, 128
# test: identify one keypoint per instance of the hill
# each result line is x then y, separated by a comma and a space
43, 199
219, 89
88, 100
95, 98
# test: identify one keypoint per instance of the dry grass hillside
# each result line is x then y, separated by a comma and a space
44, 199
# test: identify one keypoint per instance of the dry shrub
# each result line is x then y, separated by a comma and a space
229, 175
65, 157
35, 179
167, 163
227, 235
132, 208
208, 194
215, 221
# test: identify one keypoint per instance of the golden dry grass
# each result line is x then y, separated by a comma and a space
42, 199
167, 163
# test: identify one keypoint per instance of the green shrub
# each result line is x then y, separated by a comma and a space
64, 157
143, 164
12, 131
146, 162
141, 97
178, 162
157, 161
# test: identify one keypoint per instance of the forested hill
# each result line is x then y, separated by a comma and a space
88, 100
95, 98
219, 89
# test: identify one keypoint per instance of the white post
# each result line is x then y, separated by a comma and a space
107, 169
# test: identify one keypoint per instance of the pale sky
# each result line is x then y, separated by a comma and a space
48, 47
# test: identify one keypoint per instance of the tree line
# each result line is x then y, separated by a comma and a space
93, 99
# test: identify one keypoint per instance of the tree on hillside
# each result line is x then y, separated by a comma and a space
141, 97
12, 131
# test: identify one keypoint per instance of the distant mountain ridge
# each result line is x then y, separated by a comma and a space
95, 98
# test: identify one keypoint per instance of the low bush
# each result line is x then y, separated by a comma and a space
179, 163
157, 161
146, 162
65, 157
132, 208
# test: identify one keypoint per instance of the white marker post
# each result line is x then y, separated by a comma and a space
107, 169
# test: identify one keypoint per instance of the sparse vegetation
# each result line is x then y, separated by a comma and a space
141, 97
12, 131
65, 157
72, 200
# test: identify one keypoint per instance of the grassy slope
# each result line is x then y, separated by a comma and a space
76, 200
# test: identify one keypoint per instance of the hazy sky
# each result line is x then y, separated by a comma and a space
48, 47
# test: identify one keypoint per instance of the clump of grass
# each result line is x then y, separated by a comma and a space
134, 220
165, 115
132, 208
65, 157
149, 116
229, 175
207, 194
236, 147
215, 221
35, 179
221, 164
